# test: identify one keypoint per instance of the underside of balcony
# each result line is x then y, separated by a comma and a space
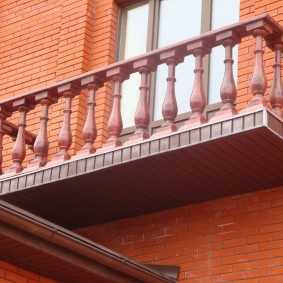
233, 156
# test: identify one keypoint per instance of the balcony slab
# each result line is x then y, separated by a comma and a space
241, 154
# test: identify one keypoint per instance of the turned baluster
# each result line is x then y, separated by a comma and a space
4, 113
40, 147
198, 100
41, 143
169, 106
258, 83
228, 91
142, 116
115, 123
2, 118
65, 136
276, 94
19, 148
89, 131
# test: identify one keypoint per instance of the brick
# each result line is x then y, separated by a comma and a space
256, 273
7, 266
14, 277
273, 279
270, 262
231, 276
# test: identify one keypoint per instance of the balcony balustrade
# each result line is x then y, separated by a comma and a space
262, 28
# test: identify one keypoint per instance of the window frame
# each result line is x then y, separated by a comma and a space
152, 39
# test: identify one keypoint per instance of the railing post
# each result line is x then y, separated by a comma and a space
142, 116
276, 93
115, 123
41, 143
4, 113
89, 131
228, 91
198, 100
65, 136
19, 148
258, 83
169, 107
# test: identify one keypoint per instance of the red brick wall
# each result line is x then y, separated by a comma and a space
234, 239
12, 274
43, 42
250, 8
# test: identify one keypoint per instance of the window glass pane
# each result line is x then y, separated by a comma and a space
130, 98
219, 19
134, 30
178, 20
133, 42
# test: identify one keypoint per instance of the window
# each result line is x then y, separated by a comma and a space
150, 24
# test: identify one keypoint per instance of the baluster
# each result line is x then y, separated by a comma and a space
65, 135
89, 131
169, 107
258, 82
19, 148
142, 116
115, 123
228, 91
4, 113
41, 143
276, 93
198, 100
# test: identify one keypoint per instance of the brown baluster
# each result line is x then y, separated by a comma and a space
40, 147
89, 131
65, 135
4, 113
258, 82
228, 91
19, 149
142, 116
115, 123
276, 93
169, 107
198, 100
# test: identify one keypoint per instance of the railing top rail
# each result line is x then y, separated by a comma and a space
242, 29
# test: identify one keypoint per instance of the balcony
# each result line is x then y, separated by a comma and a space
232, 153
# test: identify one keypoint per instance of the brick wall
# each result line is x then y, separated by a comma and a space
43, 42
235, 239
12, 274
250, 8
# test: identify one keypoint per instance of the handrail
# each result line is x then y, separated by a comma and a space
12, 130
262, 27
